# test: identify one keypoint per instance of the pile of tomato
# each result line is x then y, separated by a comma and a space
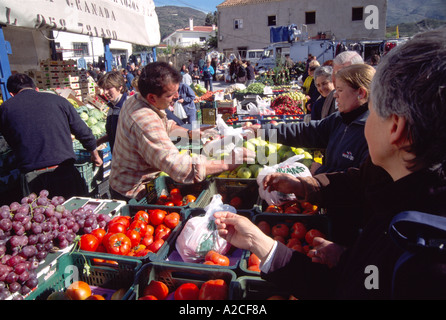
137, 236
175, 198
294, 207
216, 289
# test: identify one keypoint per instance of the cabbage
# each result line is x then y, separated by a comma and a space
96, 130
95, 113
84, 116
91, 121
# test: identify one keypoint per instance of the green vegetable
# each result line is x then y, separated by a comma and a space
84, 116
256, 88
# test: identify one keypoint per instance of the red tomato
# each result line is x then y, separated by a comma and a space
274, 209
157, 216
147, 240
281, 230
116, 227
162, 232
88, 242
149, 297
265, 227
189, 198
213, 290
139, 226
236, 202
99, 234
134, 236
293, 209
142, 253
171, 220
95, 297
125, 220
292, 242
105, 241
187, 291
311, 234
254, 268
157, 289
253, 260
119, 243
298, 230
150, 230
217, 258
142, 215
78, 290
156, 245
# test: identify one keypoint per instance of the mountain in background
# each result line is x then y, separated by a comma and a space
411, 16
172, 18
412, 11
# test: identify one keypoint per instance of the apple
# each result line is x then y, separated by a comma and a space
244, 173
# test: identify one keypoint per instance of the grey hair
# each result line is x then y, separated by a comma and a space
411, 83
348, 56
324, 71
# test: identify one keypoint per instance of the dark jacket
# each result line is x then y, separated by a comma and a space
378, 199
342, 138
38, 127
111, 123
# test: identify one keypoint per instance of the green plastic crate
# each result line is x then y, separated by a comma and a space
228, 188
255, 288
174, 276
87, 169
103, 277
164, 184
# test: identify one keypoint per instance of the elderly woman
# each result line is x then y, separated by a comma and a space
406, 134
324, 84
115, 91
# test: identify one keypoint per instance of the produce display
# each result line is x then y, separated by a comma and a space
32, 229
284, 104
94, 118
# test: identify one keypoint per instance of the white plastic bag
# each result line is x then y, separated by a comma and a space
200, 234
290, 166
178, 110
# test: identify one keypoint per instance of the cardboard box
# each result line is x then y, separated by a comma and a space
69, 94
96, 102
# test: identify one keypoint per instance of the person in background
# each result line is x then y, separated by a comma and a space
187, 79
128, 78
115, 91
309, 87
144, 147
208, 72
214, 64
250, 73
324, 84
38, 127
186, 97
190, 66
196, 75
405, 172
241, 72
342, 60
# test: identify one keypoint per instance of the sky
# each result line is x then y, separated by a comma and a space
203, 5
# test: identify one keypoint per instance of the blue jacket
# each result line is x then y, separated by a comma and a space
208, 72
344, 143
185, 92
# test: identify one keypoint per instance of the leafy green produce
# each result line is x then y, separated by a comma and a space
256, 88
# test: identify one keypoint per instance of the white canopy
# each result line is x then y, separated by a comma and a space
133, 21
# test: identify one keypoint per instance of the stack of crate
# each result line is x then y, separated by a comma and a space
56, 74
87, 86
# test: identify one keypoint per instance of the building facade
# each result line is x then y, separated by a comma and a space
191, 35
245, 24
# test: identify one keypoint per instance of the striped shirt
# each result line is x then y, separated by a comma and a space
143, 148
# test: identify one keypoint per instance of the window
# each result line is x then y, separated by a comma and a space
310, 17
202, 39
80, 49
357, 13
238, 24
271, 20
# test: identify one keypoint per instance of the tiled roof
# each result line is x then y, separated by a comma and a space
232, 3
198, 29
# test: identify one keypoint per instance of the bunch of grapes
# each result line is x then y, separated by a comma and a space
31, 229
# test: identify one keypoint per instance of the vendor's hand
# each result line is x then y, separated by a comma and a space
240, 156
325, 252
96, 158
282, 182
242, 233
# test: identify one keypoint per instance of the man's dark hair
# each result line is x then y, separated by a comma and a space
156, 76
19, 81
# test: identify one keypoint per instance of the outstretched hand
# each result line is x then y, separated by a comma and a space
242, 233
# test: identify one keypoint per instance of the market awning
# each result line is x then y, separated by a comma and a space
132, 21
